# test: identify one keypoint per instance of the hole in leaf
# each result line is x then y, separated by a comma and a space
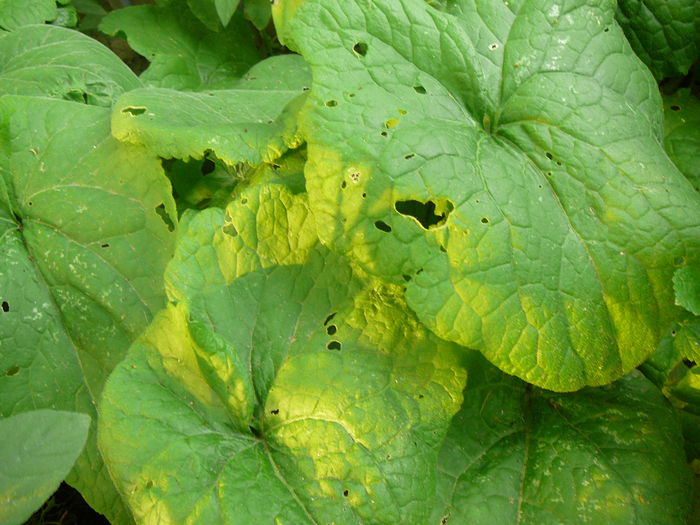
346, 492
360, 48
606, 30
673, 333
332, 329
381, 225
351, 95
30, 203
409, 156
12, 371
160, 210
420, 90
244, 201
493, 46
431, 214
230, 230
329, 318
331, 103
275, 411
207, 167
548, 155
420, 396
105, 245
406, 277
675, 107
305, 88
364, 195
254, 431
344, 185
334, 345
443, 249
384, 134
134, 110
444, 520
484, 220
5, 306
276, 166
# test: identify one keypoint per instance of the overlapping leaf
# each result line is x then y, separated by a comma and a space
17, 13
254, 122
85, 235
60, 63
281, 387
517, 454
37, 451
665, 34
192, 57
507, 165
682, 133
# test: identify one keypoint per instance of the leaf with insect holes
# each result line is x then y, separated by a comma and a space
506, 167
281, 386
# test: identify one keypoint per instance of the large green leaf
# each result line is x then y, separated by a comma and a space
37, 451
192, 57
664, 33
517, 454
682, 133
508, 166
61, 63
254, 122
282, 387
18, 13
76, 207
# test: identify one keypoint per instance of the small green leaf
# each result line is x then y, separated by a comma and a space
64, 64
18, 13
254, 122
517, 454
258, 12
686, 285
225, 10
192, 57
37, 451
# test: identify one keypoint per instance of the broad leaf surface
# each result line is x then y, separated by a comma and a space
225, 9
517, 454
254, 122
18, 13
682, 133
665, 34
686, 285
37, 451
77, 206
192, 57
61, 63
509, 167
288, 390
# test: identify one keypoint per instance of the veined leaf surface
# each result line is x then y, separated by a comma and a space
505, 161
281, 387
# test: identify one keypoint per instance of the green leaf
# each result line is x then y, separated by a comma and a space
60, 63
517, 454
687, 339
506, 165
258, 12
324, 401
283, 12
17, 13
192, 57
686, 285
76, 208
664, 33
37, 451
682, 133
254, 122
225, 10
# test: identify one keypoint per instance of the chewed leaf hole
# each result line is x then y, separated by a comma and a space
329, 319
381, 225
332, 329
134, 110
331, 103
675, 107
484, 220
275, 411
346, 492
254, 431
207, 167
12, 371
430, 214
105, 245
230, 230
334, 345
160, 210
420, 90
360, 48
5, 306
